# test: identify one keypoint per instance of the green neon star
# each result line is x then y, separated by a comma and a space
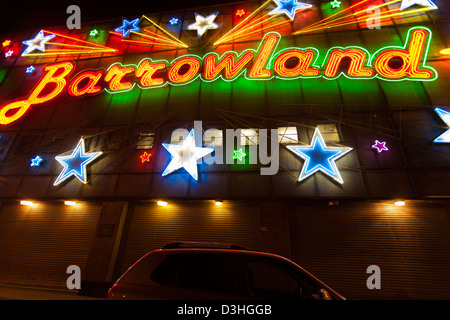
335, 4
93, 33
239, 154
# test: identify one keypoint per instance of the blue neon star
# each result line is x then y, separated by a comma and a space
30, 69
445, 116
426, 3
185, 155
319, 157
173, 21
289, 7
75, 164
128, 26
36, 161
37, 43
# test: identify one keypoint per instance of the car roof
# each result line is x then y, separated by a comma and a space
203, 245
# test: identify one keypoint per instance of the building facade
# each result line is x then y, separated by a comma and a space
318, 132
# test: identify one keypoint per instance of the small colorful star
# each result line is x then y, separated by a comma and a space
6, 43
335, 4
36, 161
240, 12
128, 26
145, 157
30, 69
289, 7
380, 146
239, 154
173, 21
202, 24
9, 53
93, 33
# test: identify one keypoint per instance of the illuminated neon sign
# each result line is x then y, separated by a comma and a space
264, 63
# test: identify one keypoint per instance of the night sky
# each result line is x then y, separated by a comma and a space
24, 15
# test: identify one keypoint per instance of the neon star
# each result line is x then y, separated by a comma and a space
8, 53
335, 4
289, 7
380, 146
185, 155
319, 157
128, 26
75, 164
240, 12
36, 161
30, 69
93, 33
37, 43
202, 24
445, 116
145, 157
426, 3
173, 21
239, 154
6, 43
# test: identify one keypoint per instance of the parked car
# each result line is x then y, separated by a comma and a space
202, 271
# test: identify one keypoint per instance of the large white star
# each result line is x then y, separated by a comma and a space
37, 43
319, 157
75, 164
445, 116
289, 7
202, 24
408, 3
185, 155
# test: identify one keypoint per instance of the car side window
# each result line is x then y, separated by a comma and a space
273, 279
202, 271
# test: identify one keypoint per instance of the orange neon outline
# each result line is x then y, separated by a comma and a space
269, 44
411, 59
146, 71
356, 68
305, 59
22, 106
194, 66
227, 64
90, 88
115, 74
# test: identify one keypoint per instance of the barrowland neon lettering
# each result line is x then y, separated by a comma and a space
264, 63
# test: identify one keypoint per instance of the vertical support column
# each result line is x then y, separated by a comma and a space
97, 276
275, 228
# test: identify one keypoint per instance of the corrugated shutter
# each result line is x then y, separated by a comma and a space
39, 242
149, 226
410, 244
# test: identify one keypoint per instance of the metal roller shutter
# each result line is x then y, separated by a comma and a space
410, 244
150, 227
39, 242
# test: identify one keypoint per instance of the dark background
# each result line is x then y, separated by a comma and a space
24, 15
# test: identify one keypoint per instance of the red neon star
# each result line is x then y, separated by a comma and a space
146, 157
240, 12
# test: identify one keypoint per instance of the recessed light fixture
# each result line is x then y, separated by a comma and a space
70, 203
26, 203
399, 203
219, 203
162, 203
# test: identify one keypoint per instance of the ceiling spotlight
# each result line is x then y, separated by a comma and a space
219, 203
162, 203
26, 203
70, 203
399, 203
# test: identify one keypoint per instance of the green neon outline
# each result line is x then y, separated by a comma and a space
369, 63
424, 60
